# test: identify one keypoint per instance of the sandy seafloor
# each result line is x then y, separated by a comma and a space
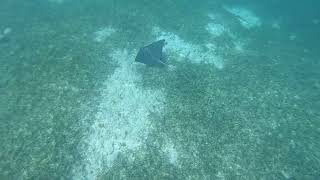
239, 99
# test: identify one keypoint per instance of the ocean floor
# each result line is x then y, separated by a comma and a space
239, 98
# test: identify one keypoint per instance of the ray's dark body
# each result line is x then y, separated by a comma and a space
152, 55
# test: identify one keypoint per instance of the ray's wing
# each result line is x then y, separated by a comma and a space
151, 54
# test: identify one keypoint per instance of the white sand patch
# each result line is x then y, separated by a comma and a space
218, 62
103, 33
122, 123
239, 45
292, 37
246, 17
276, 25
215, 29
188, 51
172, 153
212, 16
5, 33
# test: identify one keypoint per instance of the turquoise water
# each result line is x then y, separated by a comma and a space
239, 98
